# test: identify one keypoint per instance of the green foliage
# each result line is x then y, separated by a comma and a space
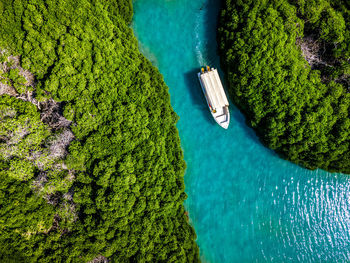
21, 135
21, 170
292, 109
13, 79
323, 18
128, 188
25, 220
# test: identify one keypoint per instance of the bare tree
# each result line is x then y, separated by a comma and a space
99, 259
312, 51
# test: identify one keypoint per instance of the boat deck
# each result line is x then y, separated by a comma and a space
215, 96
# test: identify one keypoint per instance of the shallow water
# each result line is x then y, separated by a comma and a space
245, 203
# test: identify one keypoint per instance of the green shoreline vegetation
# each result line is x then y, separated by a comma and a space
91, 166
287, 66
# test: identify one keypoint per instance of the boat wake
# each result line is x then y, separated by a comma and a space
199, 46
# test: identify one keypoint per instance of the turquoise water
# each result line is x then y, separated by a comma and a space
245, 203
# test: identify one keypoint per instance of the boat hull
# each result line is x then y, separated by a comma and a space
221, 115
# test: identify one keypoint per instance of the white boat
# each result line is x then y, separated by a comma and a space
215, 95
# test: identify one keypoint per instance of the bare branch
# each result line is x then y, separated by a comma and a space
99, 259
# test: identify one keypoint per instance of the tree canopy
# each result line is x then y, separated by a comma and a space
287, 65
113, 190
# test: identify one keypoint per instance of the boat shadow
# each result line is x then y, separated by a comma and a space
196, 94
238, 118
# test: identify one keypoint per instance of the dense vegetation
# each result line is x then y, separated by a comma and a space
103, 178
287, 65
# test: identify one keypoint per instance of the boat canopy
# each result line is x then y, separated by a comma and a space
214, 89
